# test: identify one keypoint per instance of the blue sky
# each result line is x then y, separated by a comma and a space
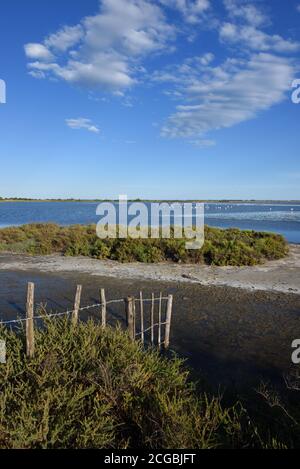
156, 99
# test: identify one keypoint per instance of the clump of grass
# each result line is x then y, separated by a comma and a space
92, 388
221, 247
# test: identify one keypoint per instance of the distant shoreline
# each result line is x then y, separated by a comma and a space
221, 201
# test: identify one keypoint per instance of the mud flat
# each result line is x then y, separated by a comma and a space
280, 276
233, 324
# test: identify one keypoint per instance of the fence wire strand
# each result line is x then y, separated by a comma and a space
149, 328
85, 308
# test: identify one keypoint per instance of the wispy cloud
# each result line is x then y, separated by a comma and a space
108, 52
82, 124
256, 39
102, 51
192, 10
64, 39
246, 12
226, 95
202, 143
245, 29
219, 96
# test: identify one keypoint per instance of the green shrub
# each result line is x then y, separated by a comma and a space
93, 388
100, 250
221, 247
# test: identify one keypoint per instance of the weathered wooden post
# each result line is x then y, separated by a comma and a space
103, 307
159, 320
30, 321
168, 321
75, 316
130, 316
142, 318
134, 318
152, 318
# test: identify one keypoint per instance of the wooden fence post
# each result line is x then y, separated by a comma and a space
142, 318
134, 317
103, 307
130, 316
30, 321
75, 316
168, 321
159, 320
152, 318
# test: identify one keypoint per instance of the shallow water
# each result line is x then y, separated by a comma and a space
231, 336
278, 218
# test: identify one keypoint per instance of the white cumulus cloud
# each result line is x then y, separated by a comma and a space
66, 38
103, 50
111, 50
38, 52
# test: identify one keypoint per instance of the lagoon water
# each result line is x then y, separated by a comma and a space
278, 218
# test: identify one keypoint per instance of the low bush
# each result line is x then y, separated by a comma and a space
221, 247
88, 387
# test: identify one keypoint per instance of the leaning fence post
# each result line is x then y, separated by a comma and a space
76, 305
142, 318
30, 321
103, 307
168, 321
130, 313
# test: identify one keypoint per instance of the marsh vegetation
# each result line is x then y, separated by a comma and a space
89, 387
222, 247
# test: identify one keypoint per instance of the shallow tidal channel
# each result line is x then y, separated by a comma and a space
230, 336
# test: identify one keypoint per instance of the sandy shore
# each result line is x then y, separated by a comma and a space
278, 276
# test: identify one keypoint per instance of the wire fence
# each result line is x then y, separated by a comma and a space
132, 318
64, 313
